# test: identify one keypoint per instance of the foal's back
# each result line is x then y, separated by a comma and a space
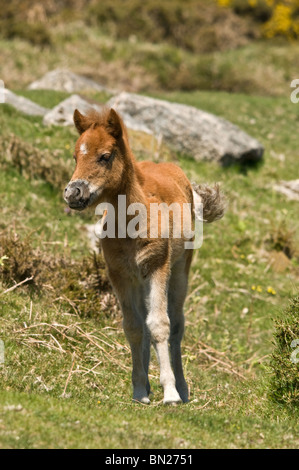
164, 182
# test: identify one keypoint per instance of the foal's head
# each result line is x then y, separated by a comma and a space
99, 155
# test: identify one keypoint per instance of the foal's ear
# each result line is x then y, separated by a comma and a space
81, 122
114, 126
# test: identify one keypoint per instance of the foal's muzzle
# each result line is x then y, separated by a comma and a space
77, 194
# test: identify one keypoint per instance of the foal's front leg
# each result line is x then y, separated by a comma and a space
134, 327
135, 331
159, 326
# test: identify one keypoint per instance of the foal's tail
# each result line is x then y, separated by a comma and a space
213, 200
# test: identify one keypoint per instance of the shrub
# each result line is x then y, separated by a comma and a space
34, 163
81, 283
284, 365
260, 10
38, 34
25, 19
196, 26
278, 18
283, 22
19, 260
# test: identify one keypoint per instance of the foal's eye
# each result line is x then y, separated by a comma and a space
104, 157
74, 157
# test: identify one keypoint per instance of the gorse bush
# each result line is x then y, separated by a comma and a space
285, 358
278, 18
284, 21
194, 25
259, 10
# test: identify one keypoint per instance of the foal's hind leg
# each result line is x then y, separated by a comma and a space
176, 296
158, 325
146, 337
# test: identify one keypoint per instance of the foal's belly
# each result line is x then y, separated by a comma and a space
136, 260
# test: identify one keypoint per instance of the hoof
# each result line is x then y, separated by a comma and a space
172, 402
184, 398
143, 400
172, 398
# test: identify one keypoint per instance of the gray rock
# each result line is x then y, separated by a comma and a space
62, 114
289, 188
136, 125
65, 80
189, 130
23, 104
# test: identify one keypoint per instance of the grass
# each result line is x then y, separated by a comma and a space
34, 421
137, 65
68, 371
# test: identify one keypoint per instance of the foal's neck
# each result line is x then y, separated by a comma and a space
129, 185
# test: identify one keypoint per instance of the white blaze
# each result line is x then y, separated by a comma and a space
83, 149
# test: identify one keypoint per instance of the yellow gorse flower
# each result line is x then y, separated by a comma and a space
280, 23
224, 3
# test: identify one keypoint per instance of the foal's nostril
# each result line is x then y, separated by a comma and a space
73, 193
77, 194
